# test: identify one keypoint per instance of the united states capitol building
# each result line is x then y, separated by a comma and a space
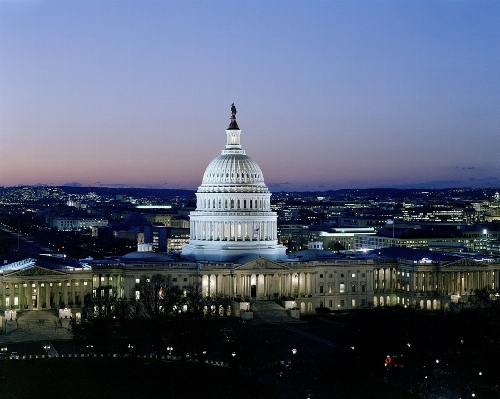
234, 251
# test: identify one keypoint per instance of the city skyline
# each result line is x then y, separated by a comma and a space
330, 95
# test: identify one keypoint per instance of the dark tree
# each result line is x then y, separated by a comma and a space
103, 321
158, 300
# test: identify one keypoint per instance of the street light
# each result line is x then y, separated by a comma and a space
294, 351
170, 349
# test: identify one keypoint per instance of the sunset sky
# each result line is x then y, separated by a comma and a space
330, 94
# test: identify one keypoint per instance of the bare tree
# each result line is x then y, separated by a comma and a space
159, 300
102, 320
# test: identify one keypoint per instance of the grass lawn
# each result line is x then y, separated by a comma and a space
103, 378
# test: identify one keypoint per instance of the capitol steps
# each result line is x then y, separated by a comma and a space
271, 312
36, 325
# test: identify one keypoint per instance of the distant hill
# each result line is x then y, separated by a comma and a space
130, 191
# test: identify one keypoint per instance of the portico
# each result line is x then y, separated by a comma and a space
37, 288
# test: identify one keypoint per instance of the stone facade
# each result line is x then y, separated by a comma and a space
334, 284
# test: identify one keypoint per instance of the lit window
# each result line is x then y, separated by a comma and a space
137, 280
353, 303
102, 278
137, 295
84, 283
342, 288
353, 275
33, 285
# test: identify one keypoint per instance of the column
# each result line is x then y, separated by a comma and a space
21, 295
46, 297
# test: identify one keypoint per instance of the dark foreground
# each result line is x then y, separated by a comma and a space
133, 378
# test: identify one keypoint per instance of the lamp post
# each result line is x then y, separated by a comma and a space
294, 352
170, 349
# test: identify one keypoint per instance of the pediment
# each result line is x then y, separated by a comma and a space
36, 271
262, 264
464, 263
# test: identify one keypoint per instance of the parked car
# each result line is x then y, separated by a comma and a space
14, 355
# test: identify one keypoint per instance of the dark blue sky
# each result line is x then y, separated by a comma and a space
330, 94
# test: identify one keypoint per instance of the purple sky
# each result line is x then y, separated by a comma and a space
330, 94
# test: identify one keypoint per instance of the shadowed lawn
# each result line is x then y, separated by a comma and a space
120, 378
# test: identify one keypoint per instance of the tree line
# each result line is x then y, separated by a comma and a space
160, 316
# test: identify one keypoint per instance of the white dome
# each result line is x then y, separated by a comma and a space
232, 169
233, 215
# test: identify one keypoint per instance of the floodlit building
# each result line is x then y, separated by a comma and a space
233, 250
233, 215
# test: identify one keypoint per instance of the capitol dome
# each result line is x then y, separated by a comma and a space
233, 215
232, 170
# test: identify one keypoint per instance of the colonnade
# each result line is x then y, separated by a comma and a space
466, 282
207, 230
239, 202
262, 285
384, 278
39, 294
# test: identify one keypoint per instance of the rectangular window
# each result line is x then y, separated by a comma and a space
16, 301
320, 289
342, 303
342, 288
353, 275
7, 301
185, 279
320, 276
84, 283
353, 288
363, 288
102, 278
353, 303
175, 279
330, 303
137, 295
